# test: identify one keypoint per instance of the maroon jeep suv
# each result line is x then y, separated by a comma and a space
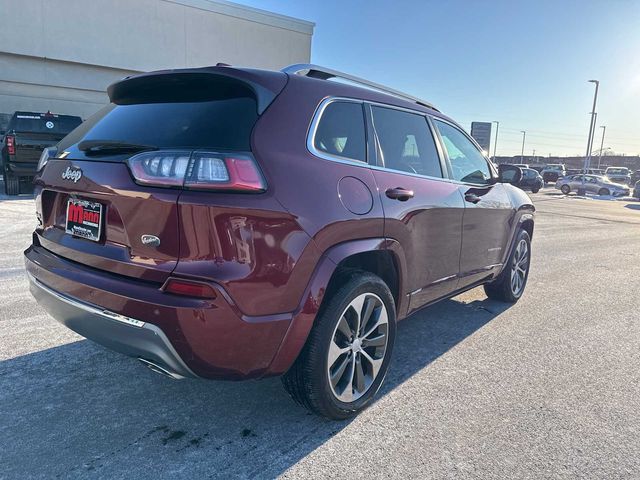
231, 223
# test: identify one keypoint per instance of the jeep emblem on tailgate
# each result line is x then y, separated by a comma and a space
74, 174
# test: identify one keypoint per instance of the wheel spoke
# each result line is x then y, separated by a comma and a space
337, 375
378, 341
359, 377
335, 352
369, 305
375, 363
344, 328
381, 320
357, 306
347, 393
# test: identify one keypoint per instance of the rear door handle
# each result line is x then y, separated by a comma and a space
472, 197
399, 193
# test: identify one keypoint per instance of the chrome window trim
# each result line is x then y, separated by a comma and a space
313, 127
372, 142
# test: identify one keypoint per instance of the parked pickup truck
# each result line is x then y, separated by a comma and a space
28, 133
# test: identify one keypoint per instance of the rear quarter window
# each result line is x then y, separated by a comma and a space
340, 131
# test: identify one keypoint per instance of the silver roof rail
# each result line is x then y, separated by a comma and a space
323, 73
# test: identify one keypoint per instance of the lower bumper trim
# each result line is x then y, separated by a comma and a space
123, 334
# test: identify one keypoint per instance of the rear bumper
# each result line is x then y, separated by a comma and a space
187, 336
122, 334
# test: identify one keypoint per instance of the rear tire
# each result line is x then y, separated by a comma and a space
603, 191
510, 284
11, 183
343, 363
535, 189
565, 189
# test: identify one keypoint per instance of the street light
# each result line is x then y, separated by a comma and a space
495, 143
604, 129
524, 135
587, 158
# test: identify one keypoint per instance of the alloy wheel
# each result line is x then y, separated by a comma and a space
519, 267
358, 347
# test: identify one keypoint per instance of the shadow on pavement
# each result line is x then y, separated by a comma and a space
633, 206
80, 410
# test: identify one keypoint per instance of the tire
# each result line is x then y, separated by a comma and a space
11, 183
565, 189
603, 191
308, 380
535, 189
503, 288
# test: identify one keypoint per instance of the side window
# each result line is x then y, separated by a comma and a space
467, 162
406, 142
340, 131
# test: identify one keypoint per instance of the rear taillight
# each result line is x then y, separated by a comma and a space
198, 170
46, 154
189, 288
11, 144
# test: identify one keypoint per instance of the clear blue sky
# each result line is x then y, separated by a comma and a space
523, 63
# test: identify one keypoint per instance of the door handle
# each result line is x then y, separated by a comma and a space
472, 197
399, 193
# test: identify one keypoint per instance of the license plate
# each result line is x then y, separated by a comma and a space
84, 219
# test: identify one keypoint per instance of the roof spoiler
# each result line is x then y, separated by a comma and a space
194, 85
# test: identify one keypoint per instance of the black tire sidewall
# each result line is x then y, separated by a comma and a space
565, 189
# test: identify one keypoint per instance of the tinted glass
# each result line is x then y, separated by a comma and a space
341, 131
218, 124
467, 162
42, 123
406, 142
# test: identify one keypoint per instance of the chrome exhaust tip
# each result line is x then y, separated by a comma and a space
161, 370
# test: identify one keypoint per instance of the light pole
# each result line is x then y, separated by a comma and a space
604, 129
587, 158
524, 135
534, 155
495, 142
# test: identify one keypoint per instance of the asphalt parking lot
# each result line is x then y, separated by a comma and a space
547, 388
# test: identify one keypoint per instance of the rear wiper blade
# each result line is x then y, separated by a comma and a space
110, 146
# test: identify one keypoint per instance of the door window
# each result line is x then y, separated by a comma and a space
340, 132
467, 163
406, 142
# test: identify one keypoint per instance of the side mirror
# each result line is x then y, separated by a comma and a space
509, 174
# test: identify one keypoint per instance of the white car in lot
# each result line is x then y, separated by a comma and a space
592, 184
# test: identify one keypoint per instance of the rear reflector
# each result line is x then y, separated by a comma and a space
198, 170
189, 289
11, 145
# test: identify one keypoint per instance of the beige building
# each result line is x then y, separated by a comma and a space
60, 55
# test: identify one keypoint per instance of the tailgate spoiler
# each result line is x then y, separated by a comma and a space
195, 84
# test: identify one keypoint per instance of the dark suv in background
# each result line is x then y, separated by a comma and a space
232, 223
28, 133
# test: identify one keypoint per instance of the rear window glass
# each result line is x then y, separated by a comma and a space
45, 123
218, 124
341, 131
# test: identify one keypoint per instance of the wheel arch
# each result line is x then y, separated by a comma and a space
379, 256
